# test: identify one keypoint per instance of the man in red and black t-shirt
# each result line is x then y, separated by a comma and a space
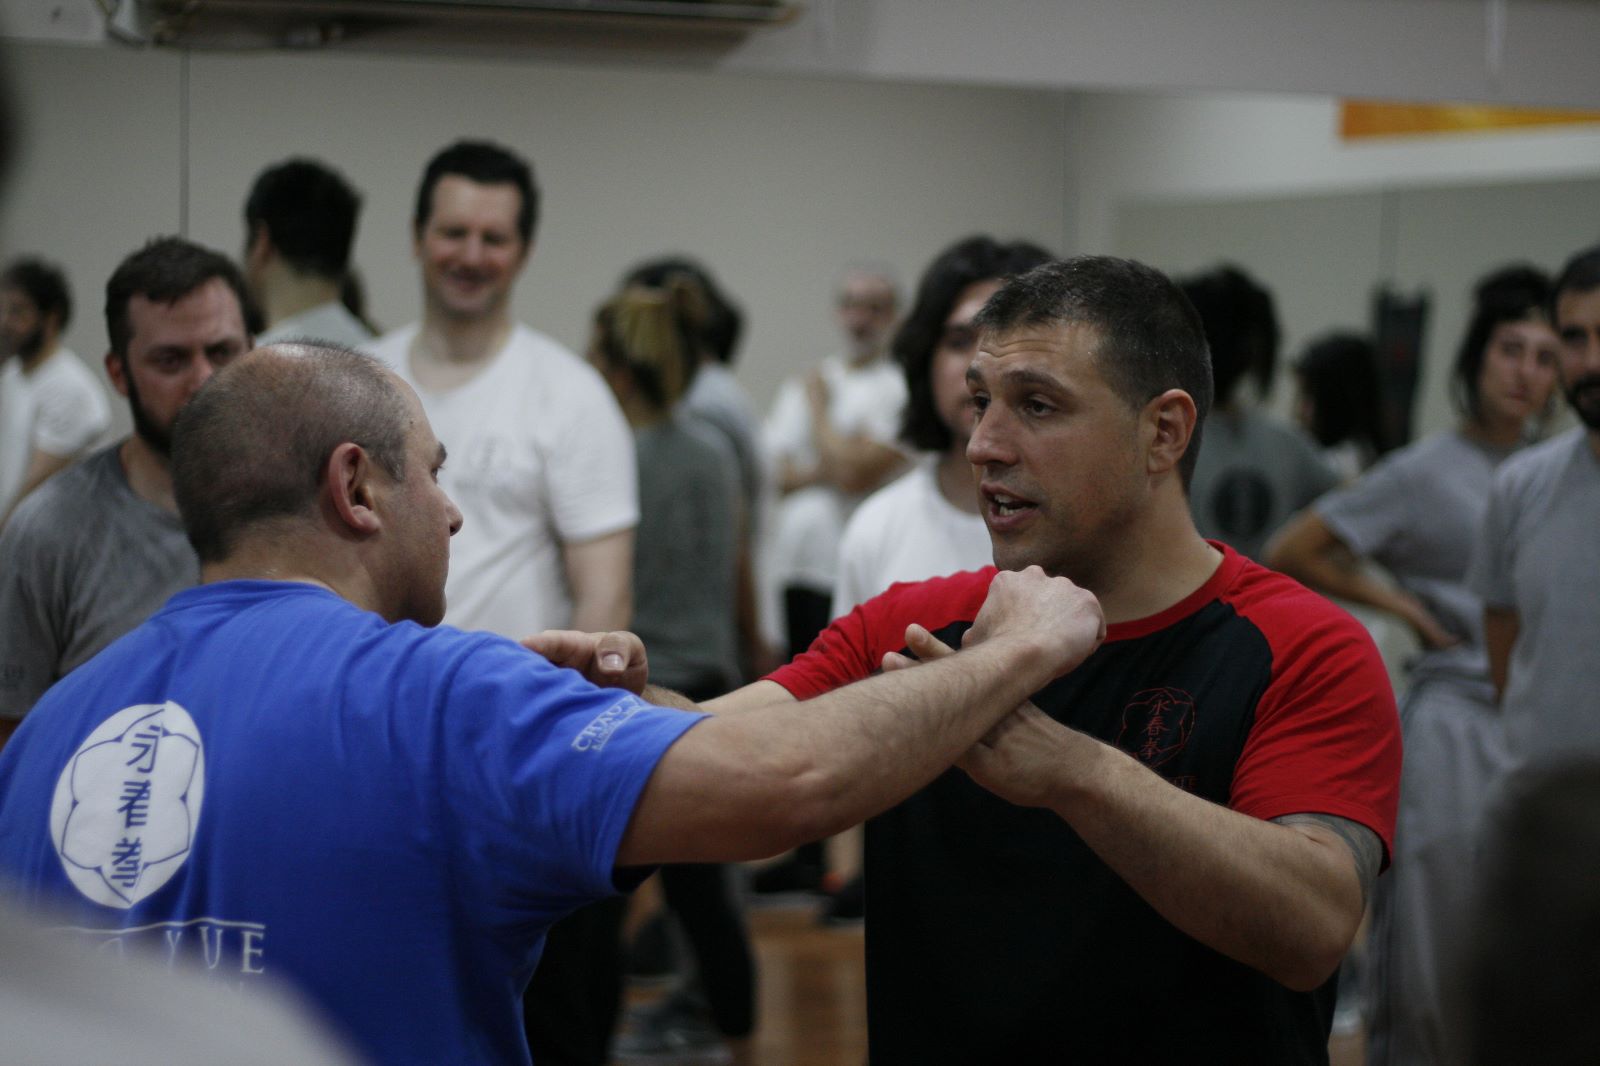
1166, 855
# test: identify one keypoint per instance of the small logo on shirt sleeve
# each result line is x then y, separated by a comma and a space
597, 733
127, 804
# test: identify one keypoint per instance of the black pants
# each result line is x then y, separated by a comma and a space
701, 898
570, 1008
806, 613
699, 895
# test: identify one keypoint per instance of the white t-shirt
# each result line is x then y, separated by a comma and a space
804, 538
907, 531
539, 456
58, 408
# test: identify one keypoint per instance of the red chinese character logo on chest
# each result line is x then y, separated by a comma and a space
1156, 725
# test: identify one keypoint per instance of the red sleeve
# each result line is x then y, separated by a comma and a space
853, 645
1326, 737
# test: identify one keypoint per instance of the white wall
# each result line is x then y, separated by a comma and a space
1515, 51
100, 141
1265, 181
1137, 146
1509, 51
775, 182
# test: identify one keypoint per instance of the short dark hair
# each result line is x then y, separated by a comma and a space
164, 271
1338, 373
1580, 274
309, 212
486, 163
44, 284
964, 263
724, 321
1151, 339
253, 442
1510, 294
1241, 327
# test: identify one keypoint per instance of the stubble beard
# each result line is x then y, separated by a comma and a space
1584, 397
26, 346
159, 439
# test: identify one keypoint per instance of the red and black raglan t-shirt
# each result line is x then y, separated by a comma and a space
994, 934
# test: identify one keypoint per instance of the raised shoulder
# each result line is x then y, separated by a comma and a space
1525, 476
853, 645
1287, 612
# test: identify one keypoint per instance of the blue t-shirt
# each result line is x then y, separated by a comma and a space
269, 780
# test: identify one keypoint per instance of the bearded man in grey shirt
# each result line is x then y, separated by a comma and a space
98, 548
1534, 561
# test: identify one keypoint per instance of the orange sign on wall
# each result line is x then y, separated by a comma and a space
1359, 119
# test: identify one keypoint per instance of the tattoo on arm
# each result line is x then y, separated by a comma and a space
1363, 843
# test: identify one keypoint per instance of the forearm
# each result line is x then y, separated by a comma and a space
869, 745
600, 573
854, 464
603, 609
793, 478
1500, 628
1348, 580
1267, 895
42, 465
755, 656
740, 786
751, 784
1308, 551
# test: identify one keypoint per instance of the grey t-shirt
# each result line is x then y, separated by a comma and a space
1252, 474
1416, 513
329, 322
82, 561
1536, 555
685, 554
716, 397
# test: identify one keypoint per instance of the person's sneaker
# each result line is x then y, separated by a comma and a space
787, 877
665, 1035
847, 905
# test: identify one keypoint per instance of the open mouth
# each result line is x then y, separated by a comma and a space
1005, 505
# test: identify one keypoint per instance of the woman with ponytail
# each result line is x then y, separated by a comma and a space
646, 346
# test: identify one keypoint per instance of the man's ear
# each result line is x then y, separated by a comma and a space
260, 248
348, 484
1169, 421
117, 373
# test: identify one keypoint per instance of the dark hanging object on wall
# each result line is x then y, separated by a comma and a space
1399, 327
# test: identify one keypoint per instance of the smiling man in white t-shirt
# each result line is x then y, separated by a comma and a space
541, 461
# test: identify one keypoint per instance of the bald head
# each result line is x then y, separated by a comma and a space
253, 445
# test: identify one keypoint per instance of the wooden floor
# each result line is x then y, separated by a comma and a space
813, 999
812, 991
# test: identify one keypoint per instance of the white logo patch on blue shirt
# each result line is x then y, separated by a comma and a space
127, 803
594, 736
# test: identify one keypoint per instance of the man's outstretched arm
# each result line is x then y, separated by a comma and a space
751, 784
